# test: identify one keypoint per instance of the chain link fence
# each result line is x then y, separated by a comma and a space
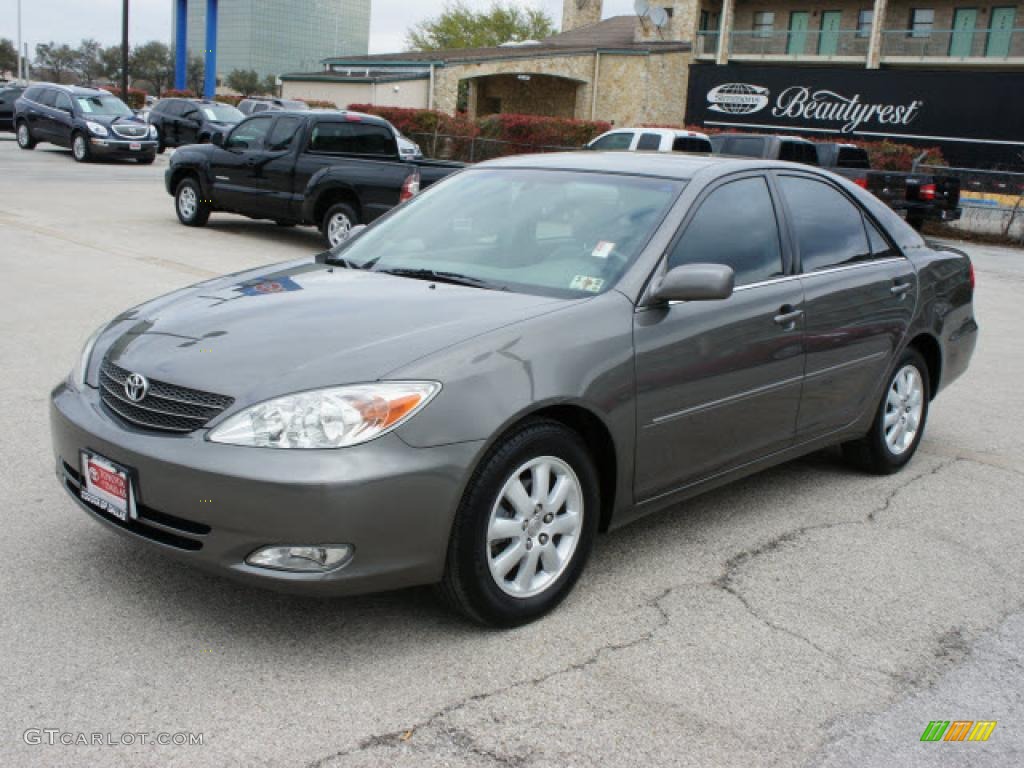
467, 149
992, 202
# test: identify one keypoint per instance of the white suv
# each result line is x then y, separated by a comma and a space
652, 140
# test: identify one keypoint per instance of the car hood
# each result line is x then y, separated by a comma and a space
109, 120
300, 326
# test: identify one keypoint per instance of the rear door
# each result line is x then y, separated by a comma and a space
234, 167
188, 123
859, 298
718, 382
63, 119
42, 122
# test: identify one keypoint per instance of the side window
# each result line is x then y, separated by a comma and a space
880, 247
259, 107
283, 133
798, 152
649, 141
735, 226
352, 139
249, 134
63, 102
744, 147
614, 141
691, 144
829, 228
48, 98
33, 94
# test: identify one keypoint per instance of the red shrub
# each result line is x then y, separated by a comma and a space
175, 94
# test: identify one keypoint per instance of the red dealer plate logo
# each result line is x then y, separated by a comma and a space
105, 485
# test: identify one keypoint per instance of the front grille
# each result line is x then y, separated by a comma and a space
166, 407
131, 131
150, 523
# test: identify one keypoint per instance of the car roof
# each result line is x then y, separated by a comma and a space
76, 90
656, 164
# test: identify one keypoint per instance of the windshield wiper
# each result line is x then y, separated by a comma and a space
437, 276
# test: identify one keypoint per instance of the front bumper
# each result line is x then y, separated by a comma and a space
212, 505
122, 147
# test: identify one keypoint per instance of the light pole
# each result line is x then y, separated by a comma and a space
124, 51
18, 77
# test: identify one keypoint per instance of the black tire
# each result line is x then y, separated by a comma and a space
146, 160
872, 453
160, 146
197, 210
24, 135
80, 148
468, 586
338, 209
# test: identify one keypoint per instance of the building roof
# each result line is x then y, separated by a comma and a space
614, 34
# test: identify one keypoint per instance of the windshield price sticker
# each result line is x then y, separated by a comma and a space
587, 283
603, 250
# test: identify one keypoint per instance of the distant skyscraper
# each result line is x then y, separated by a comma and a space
277, 36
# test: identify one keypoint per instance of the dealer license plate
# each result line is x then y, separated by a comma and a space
135, 146
107, 485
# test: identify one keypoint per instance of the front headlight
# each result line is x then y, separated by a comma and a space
81, 369
152, 132
327, 418
96, 128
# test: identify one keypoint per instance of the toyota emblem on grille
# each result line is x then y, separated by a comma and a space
136, 387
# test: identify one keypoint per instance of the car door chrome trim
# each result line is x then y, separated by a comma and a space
859, 265
848, 364
659, 420
737, 289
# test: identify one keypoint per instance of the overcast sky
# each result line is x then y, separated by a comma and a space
71, 20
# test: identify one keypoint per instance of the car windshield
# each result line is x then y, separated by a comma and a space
223, 113
556, 233
110, 106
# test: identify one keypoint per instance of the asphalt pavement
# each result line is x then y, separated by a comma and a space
808, 616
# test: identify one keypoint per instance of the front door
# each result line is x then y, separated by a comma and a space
828, 42
63, 120
859, 296
798, 25
718, 382
1000, 32
962, 40
234, 167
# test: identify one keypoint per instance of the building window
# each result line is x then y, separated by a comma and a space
764, 24
864, 23
921, 22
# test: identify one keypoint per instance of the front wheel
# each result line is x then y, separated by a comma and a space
525, 528
192, 209
25, 140
900, 420
337, 224
80, 148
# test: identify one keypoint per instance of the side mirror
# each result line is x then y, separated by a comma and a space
696, 282
217, 138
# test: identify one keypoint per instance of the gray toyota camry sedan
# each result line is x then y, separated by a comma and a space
533, 351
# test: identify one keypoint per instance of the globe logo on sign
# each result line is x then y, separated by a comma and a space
738, 98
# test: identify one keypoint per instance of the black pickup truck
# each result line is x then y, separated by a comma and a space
921, 197
329, 169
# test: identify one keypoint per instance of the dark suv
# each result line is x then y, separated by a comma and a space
191, 121
9, 93
93, 123
256, 104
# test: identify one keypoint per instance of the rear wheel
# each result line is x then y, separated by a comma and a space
80, 148
192, 209
25, 140
337, 223
916, 220
525, 527
900, 420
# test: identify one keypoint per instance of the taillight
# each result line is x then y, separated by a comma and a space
970, 273
411, 187
862, 183
927, 192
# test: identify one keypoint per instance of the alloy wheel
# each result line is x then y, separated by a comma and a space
187, 203
23, 136
338, 229
534, 527
903, 409
79, 148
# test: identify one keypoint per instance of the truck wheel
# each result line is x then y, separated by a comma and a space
915, 220
337, 223
192, 209
25, 140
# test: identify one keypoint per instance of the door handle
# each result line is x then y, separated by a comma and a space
788, 317
901, 289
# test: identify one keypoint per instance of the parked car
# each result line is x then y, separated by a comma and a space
853, 163
330, 169
765, 146
9, 93
407, 148
534, 350
932, 197
652, 140
256, 104
93, 123
191, 121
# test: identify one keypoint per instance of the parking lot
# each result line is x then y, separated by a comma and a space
808, 616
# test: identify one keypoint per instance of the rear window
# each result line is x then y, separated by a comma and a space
353, 139
743, 146
798, 152
691, 144
649, 141
852, 157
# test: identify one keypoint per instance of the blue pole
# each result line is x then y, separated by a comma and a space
210, 89
181, 45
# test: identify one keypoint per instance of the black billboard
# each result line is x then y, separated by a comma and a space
976, 118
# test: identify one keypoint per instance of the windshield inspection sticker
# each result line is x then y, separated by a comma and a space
586, 283
603, 250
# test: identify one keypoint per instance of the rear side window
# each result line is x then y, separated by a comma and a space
798, 152
63, 101
691, 144
48, 98
735, 226
880, 247
33, 94
649, 141
259, 107
614, 141
743, 146
829, 228
852, 157
353, 139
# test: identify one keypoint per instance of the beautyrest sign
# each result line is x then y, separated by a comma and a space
849, 112
969, 114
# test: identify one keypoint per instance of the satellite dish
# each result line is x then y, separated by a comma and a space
641, 7
659, 17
